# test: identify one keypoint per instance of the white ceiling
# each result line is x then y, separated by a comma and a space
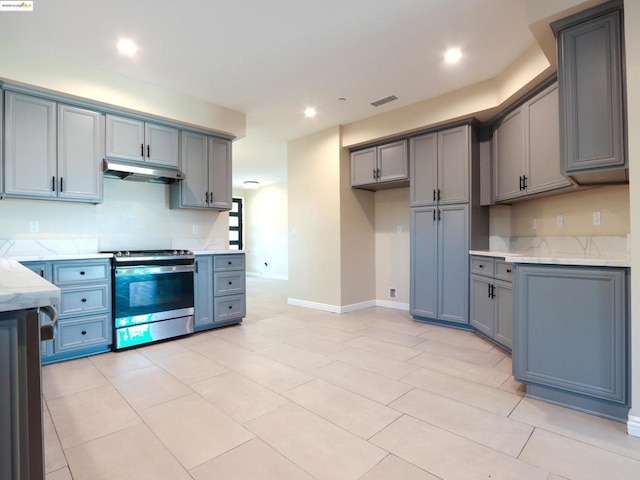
273, 58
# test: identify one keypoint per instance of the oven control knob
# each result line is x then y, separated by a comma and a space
175, 252
118, 254
127, 253
183, 252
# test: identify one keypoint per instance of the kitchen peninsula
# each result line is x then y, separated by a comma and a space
21, 448
570, 325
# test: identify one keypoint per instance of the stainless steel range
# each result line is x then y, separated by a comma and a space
152, 296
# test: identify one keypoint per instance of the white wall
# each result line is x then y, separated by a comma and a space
266, 239
134, 216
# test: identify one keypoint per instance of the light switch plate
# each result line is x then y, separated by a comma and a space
596, 218
560, 221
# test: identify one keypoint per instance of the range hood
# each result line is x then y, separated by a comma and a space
140, 173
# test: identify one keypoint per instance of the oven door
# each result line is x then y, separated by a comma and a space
150, 293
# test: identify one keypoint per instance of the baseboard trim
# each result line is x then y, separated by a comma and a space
315, 305
266, 275
348, 308
394, 305
633, 426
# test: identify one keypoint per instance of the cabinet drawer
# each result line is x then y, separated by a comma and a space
78, 333
229, 307
228, 262
84, 300
482, 266
228, 283
66, 273
504, 270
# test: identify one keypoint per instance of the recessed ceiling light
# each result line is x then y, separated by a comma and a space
251, 184
453, 55
127, 46
310, 112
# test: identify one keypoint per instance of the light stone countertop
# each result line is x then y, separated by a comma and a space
50, 257
218, 252
593, 259
21, 289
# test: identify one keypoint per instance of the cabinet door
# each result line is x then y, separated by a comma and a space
80, 152
481, 308
125, 138
363, 167
571, 329
392, 162
30, 146
453, 165
591, 94
194, 163
509, 154
219, 173
503, 313
203, 290
424, 264
161, 144
13, 396
423, 161
453, 263
544, 172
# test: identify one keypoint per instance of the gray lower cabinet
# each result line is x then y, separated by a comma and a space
53, 151
571, 336
21, 436
138, 141
439, 262
592, 101
220, 294
84, 324
206, 163
381, 166
527, 149
491, 297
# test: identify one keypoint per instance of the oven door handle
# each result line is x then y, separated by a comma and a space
154, 270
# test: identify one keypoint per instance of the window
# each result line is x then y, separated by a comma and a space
235, 225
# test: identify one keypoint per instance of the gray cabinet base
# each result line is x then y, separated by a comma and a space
602, 408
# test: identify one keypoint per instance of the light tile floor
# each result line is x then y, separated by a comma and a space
295, 393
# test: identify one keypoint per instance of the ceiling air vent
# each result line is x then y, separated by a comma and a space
384, 100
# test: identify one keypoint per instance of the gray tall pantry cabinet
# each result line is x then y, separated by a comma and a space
446, 222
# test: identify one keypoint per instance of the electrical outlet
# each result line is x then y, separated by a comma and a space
399, 229
596, 218
393, 293
534, 223
34, 226
196, 229
294, 231
560, 221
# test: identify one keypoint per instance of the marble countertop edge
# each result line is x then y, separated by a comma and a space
22, 289
559, 258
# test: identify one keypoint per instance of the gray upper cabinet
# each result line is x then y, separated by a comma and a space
439, 165
590, 73
52, 150
206, 163
527, 149
30, 146
80, 152
219, 174
380, 167
134, 140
